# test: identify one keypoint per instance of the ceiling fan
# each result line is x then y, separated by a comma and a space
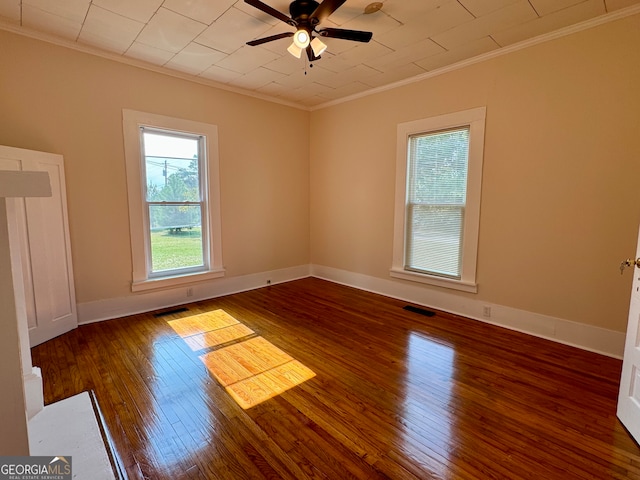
306, 16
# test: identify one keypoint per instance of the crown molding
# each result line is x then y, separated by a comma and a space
547, 37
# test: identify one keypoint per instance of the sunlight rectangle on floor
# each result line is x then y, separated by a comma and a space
217, 337
201, 323
255, 370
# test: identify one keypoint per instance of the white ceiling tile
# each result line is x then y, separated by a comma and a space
49, 23
233, 29
218, 74
437, 20
148, 53
545, 7
246, 59
73, 10
170, 31
313, 101
10, 9
514, 14
618, 4
205, 11
281, 5
140, 10
357, 73
409, 11
109, 30
285, 64
554, 21
327, 77
401, 73
463, 52
297, 78
346, 90
479, 8
365, 51
273, 89
257, 78
195, 59
310, 89
409, 54
334, 63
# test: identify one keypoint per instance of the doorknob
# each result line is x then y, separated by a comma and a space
628, 262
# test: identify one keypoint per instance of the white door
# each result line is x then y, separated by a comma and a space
42, 235
629, 395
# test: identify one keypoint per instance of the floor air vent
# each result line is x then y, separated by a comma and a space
171, 312
421, 311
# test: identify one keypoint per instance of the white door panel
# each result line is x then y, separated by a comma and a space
629, 395
43, 237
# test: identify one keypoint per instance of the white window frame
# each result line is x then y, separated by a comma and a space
142, 277
475, 120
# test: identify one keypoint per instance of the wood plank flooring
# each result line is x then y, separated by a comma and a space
396, 395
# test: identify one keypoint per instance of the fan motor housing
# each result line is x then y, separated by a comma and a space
301, 10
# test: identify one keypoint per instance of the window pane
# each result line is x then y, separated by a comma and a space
435, 239
172, 170
176, 237
438, 167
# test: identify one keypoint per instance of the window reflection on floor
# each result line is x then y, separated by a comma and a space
430, 366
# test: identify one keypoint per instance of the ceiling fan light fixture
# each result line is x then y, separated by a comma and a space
301, 38
318, 46
294, 50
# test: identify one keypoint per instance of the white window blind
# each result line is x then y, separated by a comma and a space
436, 201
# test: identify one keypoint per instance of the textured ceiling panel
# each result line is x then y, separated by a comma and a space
207, 39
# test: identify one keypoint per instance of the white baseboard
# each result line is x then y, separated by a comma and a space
587, 337
90, 312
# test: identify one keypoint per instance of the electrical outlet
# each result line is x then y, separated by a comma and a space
486, 311
189, 292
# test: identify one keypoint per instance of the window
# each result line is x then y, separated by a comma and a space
438, 179
173, 187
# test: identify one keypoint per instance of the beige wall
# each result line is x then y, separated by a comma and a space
560, 203
560, 197
62, 101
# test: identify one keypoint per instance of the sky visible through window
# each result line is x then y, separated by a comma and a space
177, 152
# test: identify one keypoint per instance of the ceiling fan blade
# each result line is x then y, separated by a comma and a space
355, 35
260, 41
270, 11
326, 8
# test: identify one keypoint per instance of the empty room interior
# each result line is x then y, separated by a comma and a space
407, 256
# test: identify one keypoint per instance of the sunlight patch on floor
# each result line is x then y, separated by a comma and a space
251, 370
201, 323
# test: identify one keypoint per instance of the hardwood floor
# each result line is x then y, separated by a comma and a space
396, 395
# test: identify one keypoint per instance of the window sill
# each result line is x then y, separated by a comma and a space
463, 286
166, 282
